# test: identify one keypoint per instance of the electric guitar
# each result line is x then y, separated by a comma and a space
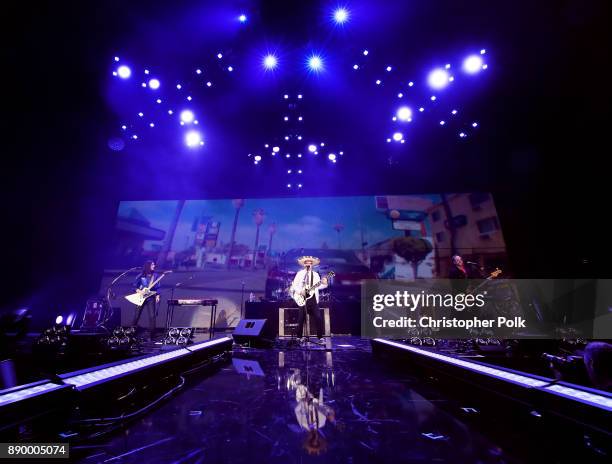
142, 294
308, 291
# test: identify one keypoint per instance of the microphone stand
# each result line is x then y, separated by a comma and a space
110, 293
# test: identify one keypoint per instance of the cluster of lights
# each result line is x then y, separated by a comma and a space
295, 149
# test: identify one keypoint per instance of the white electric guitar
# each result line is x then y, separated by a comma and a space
308, 292
142, 294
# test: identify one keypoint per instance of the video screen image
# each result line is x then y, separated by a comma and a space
238, 250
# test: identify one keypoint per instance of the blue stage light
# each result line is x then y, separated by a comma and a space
124, 72
341, 15
187, 116
312, 148
438, 78
315, 63
193, 139
243, 18
257, 158
154, 84
270, 62
398, 136
404, 114
332, 157
472, 64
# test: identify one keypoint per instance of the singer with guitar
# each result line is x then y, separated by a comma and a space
305, 290
146, 287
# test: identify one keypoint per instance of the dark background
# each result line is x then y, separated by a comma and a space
541, 150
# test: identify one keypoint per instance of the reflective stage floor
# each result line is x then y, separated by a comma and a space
289, 405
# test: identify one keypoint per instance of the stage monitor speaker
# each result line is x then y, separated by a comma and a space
249, 331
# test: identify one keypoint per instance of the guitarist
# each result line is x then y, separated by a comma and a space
143, 280
307, 277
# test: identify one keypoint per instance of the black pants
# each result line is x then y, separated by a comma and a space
312, 308
151, 306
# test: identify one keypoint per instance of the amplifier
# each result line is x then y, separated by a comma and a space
288, 318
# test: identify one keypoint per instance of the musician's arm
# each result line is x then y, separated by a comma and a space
324, 282
296, 284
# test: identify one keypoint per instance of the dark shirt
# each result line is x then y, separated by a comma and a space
459, 279
143, 281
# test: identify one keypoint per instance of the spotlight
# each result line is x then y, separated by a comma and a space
462, 134
257, 158
146, 71
116, 58
151, 124
474, 124
286, 96
141, 114
208, 84
389, 68
433, 98
378, 81
483, 51
124, 72
299, 96
198, 71
242, 18
438, 78
193, 139
219, 55
454, 112
315, 63
442, 123
332, 157
365, 52
178, 86
270, 62
158, 100
400, 95
124, 127
187, 116
404, 114
341, 16
312, 148
275, 149
154, 84
170, 112
472, 64
398, 136
421, 109
410, 84
59, 320
230, 68
355, 66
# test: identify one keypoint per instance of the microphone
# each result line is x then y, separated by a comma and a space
472, 263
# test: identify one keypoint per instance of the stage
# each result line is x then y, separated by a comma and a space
368, 410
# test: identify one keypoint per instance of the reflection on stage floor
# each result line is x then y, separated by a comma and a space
297, 404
